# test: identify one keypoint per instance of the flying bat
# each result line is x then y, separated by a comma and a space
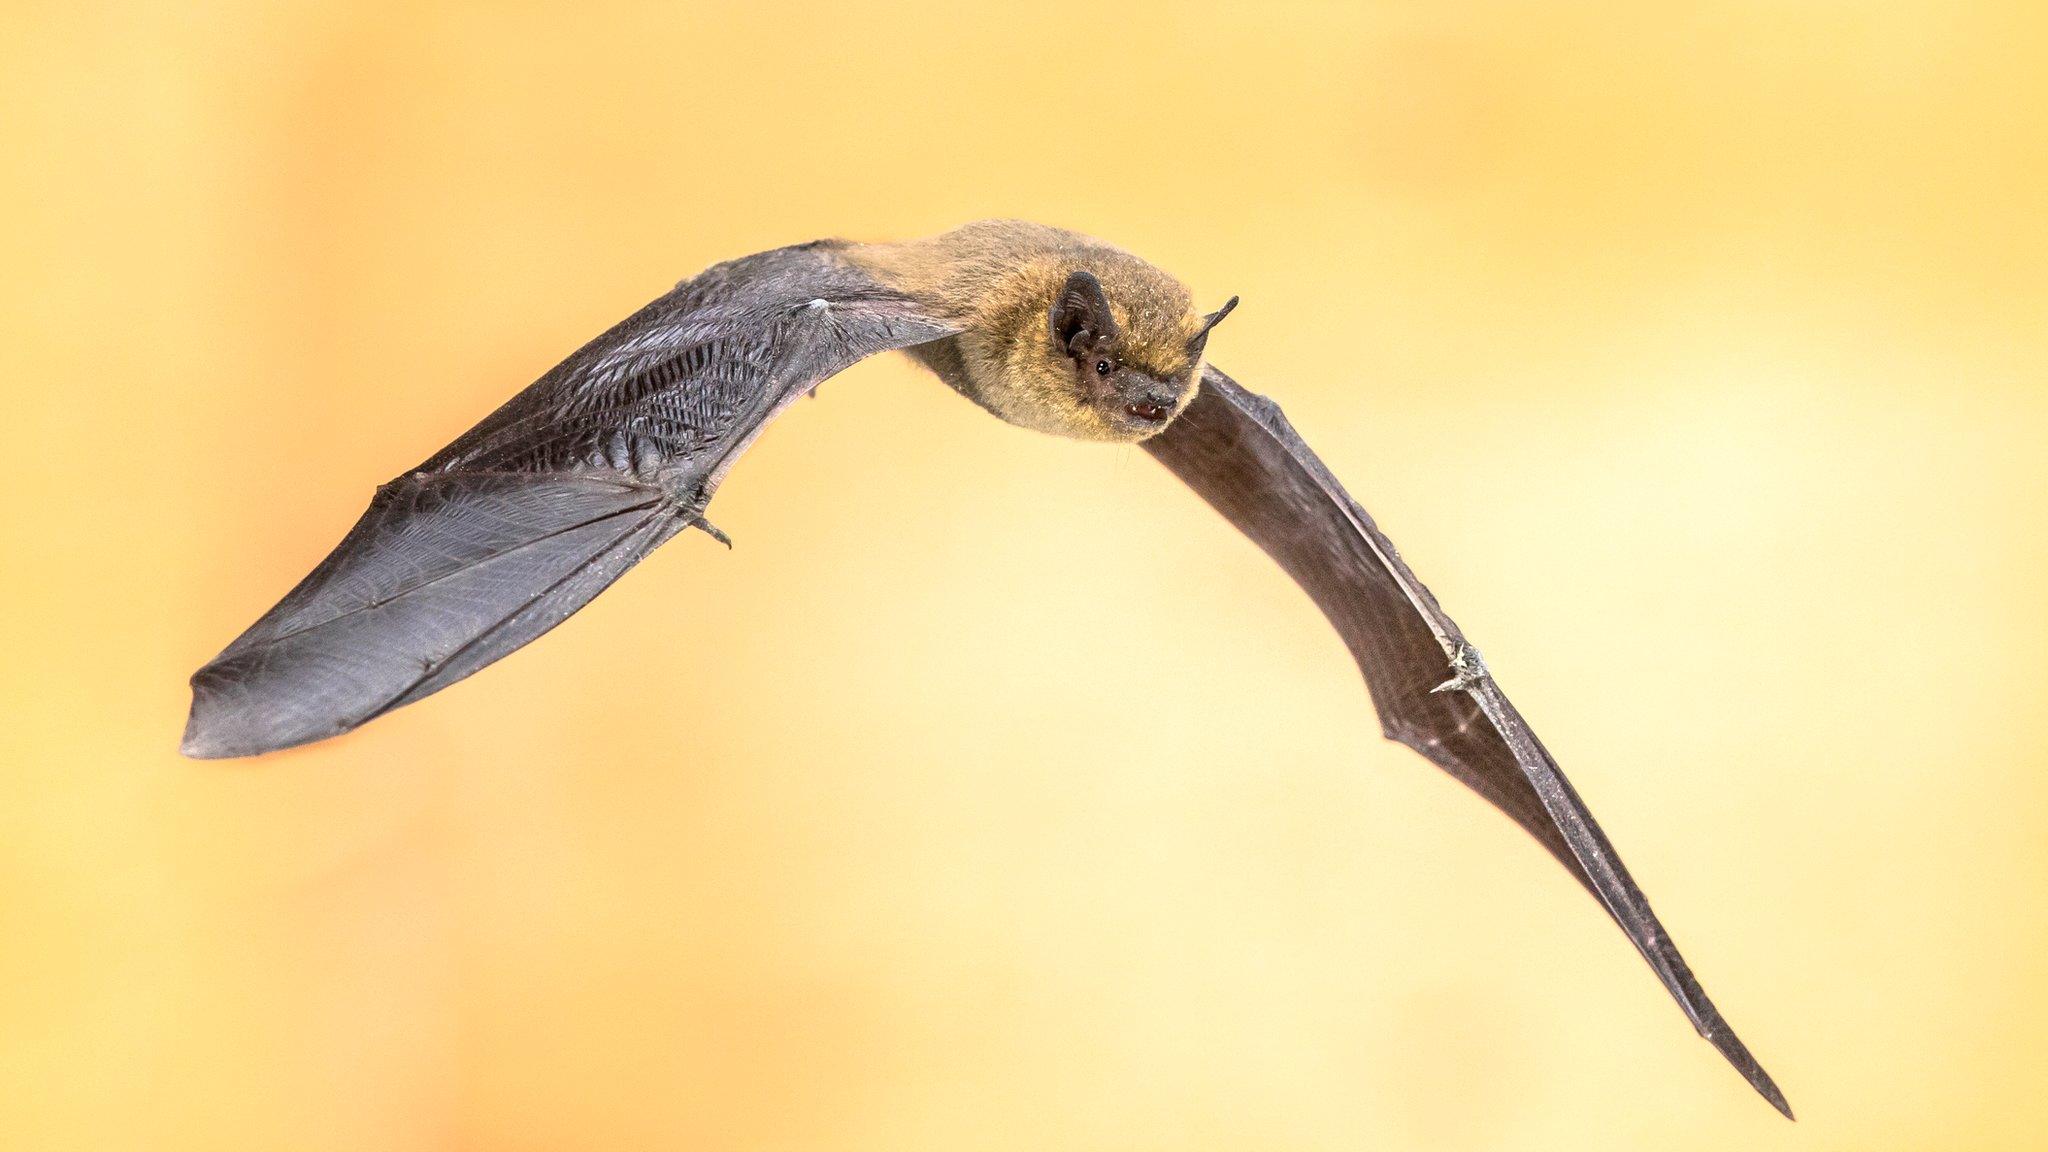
504, 533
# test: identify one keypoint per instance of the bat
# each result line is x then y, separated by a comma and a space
501, 535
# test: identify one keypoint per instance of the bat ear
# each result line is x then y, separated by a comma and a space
1080, 316
1201, 337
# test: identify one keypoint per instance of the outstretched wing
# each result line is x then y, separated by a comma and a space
1238, 452
501, 535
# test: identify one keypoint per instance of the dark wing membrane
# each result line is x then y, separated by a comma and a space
1237, 451
523, 519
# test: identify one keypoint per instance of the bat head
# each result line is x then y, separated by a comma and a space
1058, 332
1127, 367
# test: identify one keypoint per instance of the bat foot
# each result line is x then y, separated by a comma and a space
712, 531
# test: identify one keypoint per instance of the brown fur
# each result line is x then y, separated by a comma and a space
998, 279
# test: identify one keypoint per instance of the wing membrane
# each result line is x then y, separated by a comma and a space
1432, 693
524, 518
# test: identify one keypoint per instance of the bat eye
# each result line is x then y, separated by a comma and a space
1102, 367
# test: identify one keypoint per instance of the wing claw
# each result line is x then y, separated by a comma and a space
1468, 670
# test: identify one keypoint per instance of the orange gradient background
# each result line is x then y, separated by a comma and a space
992, 793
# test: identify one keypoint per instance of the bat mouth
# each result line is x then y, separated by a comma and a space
1148, 412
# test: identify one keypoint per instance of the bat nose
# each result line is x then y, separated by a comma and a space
1153, 404
1140, 389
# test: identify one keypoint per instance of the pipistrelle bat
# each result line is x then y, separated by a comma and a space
504, 533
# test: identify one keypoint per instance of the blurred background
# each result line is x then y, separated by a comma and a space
992, 793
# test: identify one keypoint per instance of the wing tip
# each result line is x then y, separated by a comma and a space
210, 734
220, 727
195, 747
1732, 1048
1768, 1089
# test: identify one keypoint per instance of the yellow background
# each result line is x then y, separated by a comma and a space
992, 794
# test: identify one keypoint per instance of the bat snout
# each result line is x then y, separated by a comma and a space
1150, 402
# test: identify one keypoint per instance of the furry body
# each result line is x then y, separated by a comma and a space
995, 280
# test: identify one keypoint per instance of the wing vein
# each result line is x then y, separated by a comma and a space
432, 668
451, 574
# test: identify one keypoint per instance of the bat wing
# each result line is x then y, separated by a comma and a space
1238, 452
521, 521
